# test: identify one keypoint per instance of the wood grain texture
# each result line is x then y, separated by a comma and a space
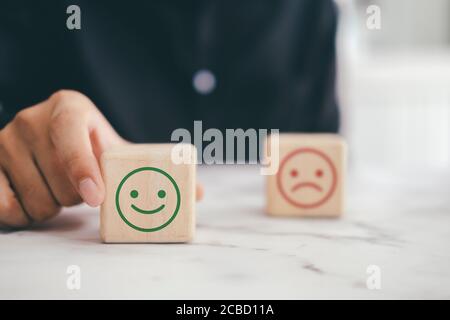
149, 198
311, 177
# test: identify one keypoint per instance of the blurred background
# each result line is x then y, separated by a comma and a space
393, 84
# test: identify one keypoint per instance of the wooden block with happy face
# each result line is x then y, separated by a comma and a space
149, 198
310, 178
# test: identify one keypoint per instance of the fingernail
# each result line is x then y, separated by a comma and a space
90, 192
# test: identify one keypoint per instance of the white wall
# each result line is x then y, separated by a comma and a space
405, 23
394, 84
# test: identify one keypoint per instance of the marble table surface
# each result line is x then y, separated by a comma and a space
400, 224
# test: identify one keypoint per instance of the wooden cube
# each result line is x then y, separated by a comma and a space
310, 178
149, 198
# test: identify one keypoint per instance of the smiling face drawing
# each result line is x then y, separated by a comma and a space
134, 194
148, 199
307, 178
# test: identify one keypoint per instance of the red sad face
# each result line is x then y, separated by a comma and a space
307, 178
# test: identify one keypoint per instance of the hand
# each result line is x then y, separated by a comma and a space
49, 158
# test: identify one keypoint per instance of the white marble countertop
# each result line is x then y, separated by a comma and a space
239, 252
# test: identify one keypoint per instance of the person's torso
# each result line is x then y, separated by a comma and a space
148, 64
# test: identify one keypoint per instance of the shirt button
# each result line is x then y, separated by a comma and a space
204, 81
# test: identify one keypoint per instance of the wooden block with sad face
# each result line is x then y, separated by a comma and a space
310, 177
149, 196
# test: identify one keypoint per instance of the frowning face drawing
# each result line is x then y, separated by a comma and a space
307, 178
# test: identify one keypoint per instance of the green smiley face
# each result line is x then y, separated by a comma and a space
148, 199
134, 194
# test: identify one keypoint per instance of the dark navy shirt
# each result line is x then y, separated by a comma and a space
273, 62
